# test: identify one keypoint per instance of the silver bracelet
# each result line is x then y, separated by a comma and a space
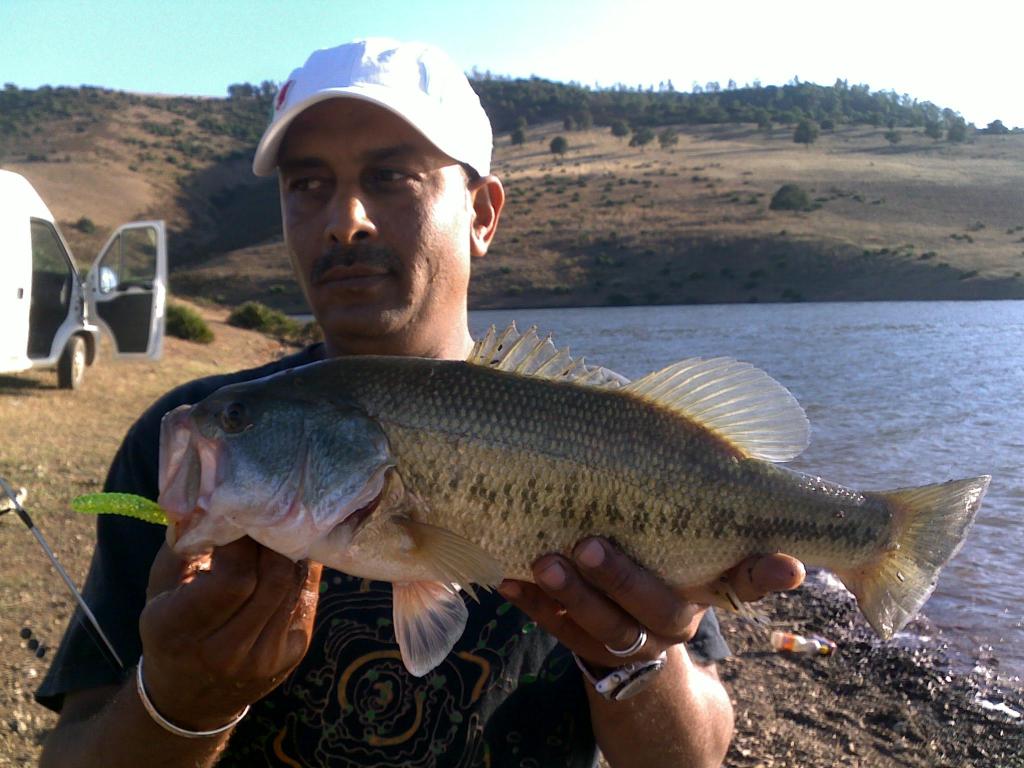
621, 683
170, 727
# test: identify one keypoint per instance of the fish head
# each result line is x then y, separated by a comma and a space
268, 459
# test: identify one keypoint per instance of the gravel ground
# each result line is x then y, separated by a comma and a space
871, 704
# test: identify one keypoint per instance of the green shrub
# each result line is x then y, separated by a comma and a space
668, 138
956, 131
642, 137
310, 332
259, 317
185, 323
85, 225
790, 197
806, 132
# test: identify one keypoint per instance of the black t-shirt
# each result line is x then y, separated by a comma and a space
507, 695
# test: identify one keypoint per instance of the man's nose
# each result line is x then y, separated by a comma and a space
350, 221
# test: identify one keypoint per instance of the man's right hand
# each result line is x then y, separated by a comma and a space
222, 631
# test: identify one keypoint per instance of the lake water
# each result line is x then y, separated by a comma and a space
898, 394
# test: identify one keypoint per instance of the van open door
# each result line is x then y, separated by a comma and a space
127, 289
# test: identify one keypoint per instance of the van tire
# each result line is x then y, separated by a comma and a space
71, 366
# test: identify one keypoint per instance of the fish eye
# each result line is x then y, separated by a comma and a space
234, 417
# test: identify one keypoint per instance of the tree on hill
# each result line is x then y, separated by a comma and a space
241, 91
893, 136
956, 131
559, 145
620, 128
641, 137
997, 127
933, 129
518, 136
668, 138
806, 132
568, 123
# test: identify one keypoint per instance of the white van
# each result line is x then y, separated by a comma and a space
49, 317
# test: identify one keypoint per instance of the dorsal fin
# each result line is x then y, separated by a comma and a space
738, 402
529, 355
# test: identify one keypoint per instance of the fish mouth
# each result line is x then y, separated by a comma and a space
190, 469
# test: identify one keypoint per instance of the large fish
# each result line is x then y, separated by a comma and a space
437, 475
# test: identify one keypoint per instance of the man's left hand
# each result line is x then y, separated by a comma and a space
600, 598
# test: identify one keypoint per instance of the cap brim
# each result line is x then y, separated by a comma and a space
265, 160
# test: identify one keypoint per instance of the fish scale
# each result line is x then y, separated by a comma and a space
719, 508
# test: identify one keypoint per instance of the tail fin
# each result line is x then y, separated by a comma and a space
931, 524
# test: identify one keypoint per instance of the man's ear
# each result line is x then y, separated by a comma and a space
488, 198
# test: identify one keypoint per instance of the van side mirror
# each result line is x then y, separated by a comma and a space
108, 280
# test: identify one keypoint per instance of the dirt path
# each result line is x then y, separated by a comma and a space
867, 706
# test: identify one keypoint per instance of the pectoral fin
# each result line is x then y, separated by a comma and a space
455, 559
429, 619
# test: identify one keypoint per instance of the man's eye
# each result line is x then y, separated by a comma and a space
308, 184
387, 175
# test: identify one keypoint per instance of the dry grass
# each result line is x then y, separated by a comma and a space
652, 211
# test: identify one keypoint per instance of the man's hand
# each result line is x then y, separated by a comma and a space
220, 632
600, 597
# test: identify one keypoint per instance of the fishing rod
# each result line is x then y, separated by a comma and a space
93, 624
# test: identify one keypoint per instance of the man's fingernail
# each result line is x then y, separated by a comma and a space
552, 577
591, 554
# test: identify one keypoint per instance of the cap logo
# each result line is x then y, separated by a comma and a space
282, 95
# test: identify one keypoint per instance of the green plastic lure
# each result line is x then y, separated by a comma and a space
127, 504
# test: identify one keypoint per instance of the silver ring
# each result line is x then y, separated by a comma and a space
640, 642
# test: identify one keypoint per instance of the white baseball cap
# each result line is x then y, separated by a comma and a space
416, 81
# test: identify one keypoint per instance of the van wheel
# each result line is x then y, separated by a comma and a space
71, 366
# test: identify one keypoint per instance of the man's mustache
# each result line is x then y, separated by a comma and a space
339, 255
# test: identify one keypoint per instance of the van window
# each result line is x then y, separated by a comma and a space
48, 253
132, 258
52, 280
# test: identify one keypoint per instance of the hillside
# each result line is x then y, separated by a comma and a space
604, 223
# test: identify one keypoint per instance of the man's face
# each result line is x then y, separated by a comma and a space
379, 224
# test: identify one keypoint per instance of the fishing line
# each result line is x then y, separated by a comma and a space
92, 625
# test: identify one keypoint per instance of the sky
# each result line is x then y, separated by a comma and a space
964, 56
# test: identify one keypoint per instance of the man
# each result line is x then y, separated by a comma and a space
383, 158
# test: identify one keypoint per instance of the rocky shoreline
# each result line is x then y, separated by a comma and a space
870, 704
